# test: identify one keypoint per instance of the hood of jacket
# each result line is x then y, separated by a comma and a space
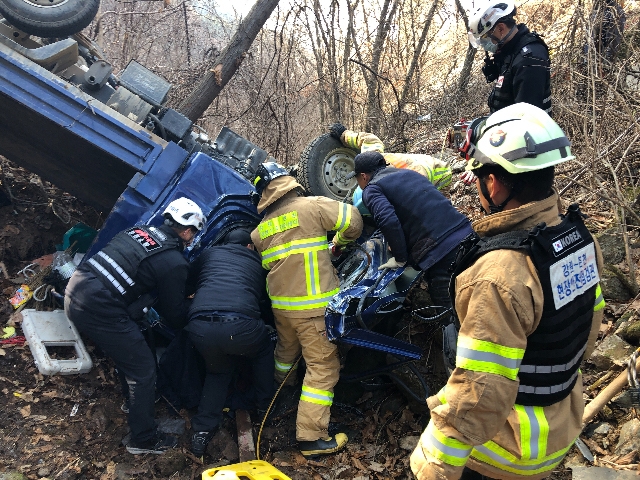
524, 217
276, 189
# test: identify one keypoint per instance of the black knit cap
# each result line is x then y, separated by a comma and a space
367, 162
238, 236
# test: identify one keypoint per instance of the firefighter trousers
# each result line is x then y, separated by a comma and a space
308, 336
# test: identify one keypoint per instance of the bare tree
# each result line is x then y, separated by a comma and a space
371, 74
465, 73
230, 59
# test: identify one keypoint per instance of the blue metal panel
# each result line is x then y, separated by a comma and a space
223, 195
362, 284
42, 92
380, 342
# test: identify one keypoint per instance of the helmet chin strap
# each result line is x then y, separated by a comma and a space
493, 208
504, 39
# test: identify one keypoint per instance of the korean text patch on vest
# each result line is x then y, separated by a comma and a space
573, 275
147, 240
283, 222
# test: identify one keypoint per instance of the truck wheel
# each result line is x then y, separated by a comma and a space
323, 166
49, 18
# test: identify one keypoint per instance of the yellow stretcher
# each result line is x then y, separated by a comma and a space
251, 470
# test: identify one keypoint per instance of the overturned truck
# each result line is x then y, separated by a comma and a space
110, 141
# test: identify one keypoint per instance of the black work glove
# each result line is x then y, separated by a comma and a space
136, 308
490, 69
336, 130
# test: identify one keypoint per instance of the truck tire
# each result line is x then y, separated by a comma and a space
323, 166
49, 18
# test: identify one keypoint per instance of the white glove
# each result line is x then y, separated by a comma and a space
392, 264
468, 177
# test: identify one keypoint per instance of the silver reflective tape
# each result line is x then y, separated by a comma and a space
472, 354
554, 368
548, 390
108, 276
118, 268
312, 273
344, 218
535, 431
447, 450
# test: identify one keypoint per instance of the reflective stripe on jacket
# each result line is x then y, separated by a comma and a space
474, 419
292, 239
437, 171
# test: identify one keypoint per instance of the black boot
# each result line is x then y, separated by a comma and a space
323, 446
199, 442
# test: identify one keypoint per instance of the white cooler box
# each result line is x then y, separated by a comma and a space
54, 329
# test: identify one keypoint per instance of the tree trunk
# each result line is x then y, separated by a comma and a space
465, 73
212, 83
416, 55
386, 16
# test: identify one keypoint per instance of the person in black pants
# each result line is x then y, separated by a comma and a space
108, 295
421, 226
226, 327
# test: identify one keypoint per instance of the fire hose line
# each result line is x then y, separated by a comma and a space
275, 395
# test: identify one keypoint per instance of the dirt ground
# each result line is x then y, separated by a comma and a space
71, 427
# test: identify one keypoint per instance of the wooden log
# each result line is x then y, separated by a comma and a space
606, 395
246, 446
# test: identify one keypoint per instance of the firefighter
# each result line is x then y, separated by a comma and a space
108, 294
420, 225
226, 326
292, 239
437, 171
529, 305
519, 65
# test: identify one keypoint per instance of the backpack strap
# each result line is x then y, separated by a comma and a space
473, 247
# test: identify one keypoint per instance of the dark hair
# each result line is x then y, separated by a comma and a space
170, 222
508, 20
238, 236
533, 186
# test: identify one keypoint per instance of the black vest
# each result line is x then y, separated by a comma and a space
565, 260
503, 95
117, 263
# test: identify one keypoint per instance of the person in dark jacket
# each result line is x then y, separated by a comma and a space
226, 327
421, 226
520, 66
108, 294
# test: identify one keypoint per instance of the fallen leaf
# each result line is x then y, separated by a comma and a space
358, 464
628, 458
26, 411
27, 397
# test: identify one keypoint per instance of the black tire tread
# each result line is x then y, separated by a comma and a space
68, 24
307, 162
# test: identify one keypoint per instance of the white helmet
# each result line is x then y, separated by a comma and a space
485, 17
185, 212
521, 138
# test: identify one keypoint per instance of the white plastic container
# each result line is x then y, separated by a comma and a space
54, 329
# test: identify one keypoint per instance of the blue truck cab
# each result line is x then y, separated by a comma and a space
105, 155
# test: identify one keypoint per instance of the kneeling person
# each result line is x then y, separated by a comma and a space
106, 296
225, 326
